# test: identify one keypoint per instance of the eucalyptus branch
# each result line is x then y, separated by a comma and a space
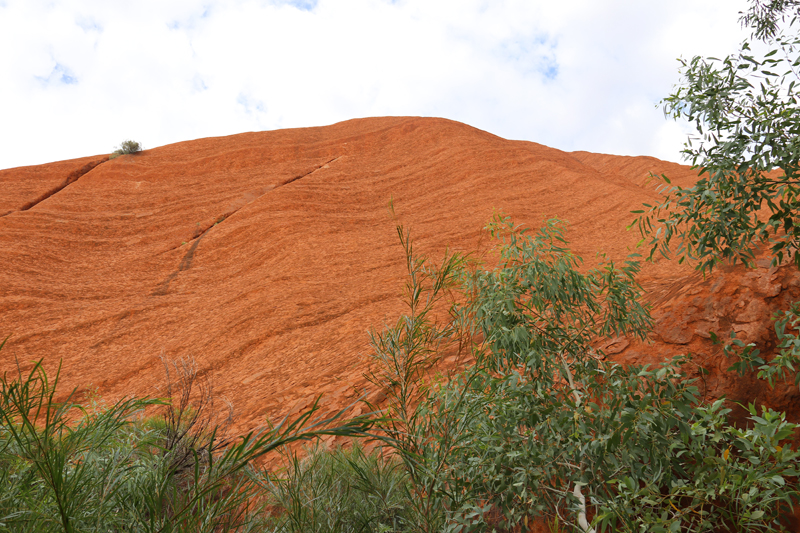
582, 522
571, 381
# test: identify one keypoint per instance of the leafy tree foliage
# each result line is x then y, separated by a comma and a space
745, 110
544, 426
764, 17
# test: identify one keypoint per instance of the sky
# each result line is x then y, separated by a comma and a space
77, 77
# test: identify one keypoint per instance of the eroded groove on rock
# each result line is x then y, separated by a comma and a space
199, 233
71, 178
292, 180
186, 264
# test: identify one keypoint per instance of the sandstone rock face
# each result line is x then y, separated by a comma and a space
730, 300
268, 256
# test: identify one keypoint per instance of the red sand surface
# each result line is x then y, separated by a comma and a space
268, 256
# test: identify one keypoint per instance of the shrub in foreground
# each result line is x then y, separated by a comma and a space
542, 426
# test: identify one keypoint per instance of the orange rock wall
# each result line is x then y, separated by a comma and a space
268, 256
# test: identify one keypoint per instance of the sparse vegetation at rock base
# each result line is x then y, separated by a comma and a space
540, 429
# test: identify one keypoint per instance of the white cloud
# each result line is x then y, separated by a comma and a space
80, 76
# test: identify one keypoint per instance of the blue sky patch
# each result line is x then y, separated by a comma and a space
549, 68
189, 22
199, 84
251, 105
59, 75
302, 5
88, 24
535, 56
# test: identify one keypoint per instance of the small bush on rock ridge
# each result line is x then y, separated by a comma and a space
126, 147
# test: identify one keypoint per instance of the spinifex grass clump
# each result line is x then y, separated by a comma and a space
111, 472
338, 491
56, 476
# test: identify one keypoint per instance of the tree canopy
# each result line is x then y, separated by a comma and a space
744, 108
